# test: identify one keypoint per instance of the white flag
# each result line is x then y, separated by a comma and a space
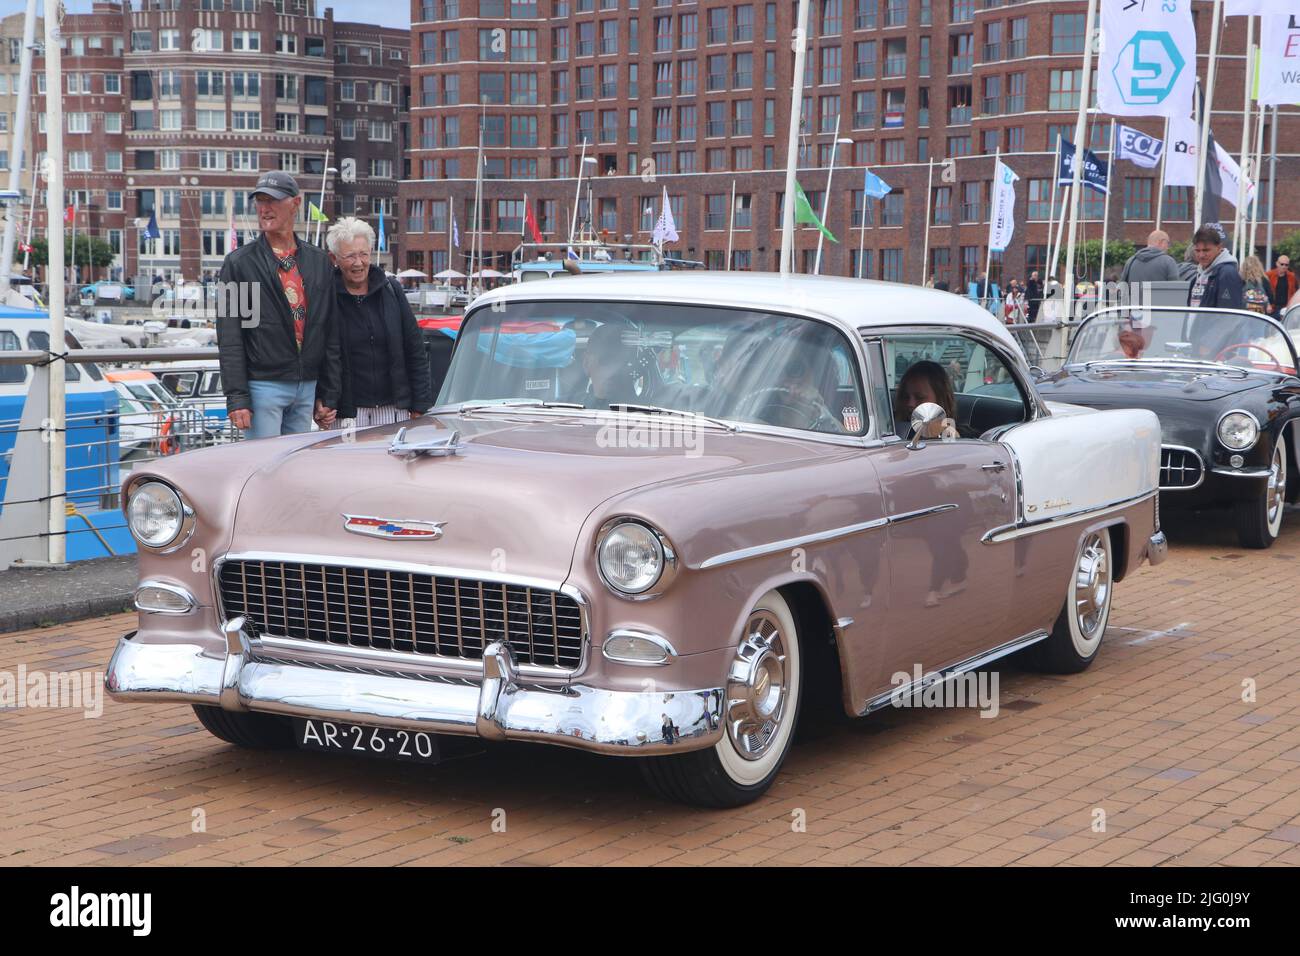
1180, 156
1137, 147
665, 228
1147, 65
1279, 60
1248, 8
1230, 173
1003, 223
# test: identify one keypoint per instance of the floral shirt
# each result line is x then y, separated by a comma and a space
291, 282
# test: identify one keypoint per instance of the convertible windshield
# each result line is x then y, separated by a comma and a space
1192, 335
730, 364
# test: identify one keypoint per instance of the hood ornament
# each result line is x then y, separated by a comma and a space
396, 528
441, 443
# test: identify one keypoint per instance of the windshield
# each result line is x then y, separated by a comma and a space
723, 363
1194, 335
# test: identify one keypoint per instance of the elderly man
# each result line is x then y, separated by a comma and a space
279, 351
385, 368
1152, 264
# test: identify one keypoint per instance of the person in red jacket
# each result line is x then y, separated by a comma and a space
1282, 284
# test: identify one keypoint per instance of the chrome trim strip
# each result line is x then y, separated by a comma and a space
176, 589
413, 567
1019, 529
1244, 472
970, 664
820, 537
670, 653
273, 646
1192, 451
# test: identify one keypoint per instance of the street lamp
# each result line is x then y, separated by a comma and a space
826, 200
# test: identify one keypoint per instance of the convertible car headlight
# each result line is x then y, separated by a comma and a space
1238, 430
157, 516
631, 557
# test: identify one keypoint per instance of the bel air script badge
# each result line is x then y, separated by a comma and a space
398, 528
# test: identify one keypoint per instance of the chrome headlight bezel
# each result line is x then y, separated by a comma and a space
1237, 415
184, 524
666, 552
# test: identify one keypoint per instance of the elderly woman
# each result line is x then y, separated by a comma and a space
385, 369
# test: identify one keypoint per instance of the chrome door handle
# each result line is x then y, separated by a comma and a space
995, 466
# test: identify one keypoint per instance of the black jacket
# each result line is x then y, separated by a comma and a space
1223, 288
260, 345
406, 364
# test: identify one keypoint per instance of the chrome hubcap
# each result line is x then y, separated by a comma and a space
756, 686
1276, 486
1091, 586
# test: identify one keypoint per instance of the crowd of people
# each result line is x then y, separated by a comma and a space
1213, 275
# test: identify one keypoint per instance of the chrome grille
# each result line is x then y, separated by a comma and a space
1180, 468
389, 610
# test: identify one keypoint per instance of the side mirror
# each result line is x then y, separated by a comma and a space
923, 417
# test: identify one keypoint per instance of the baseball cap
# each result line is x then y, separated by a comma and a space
277, 185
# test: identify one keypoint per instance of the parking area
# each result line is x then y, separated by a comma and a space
1181, 745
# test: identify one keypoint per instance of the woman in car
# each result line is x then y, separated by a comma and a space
923, 382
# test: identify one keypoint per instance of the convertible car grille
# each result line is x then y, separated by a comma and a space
401, 611
1180, 468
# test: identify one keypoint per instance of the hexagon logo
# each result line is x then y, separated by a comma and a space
1147, 68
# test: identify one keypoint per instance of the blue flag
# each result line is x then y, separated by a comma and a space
383, 242
875, 187
151, 231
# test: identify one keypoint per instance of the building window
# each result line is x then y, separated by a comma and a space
891, 209
1068, 32
141, 41
1178, 203
1137, 198
244, 41
1063, 89
286, 43
864, 60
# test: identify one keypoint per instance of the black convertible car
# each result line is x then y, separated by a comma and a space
1224, 384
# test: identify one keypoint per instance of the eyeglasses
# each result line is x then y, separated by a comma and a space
355, 257
1283, 265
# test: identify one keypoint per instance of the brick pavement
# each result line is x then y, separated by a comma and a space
1156, 735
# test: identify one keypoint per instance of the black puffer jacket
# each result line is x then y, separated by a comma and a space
404, 363
260, 345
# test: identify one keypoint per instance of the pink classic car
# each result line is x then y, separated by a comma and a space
647, 517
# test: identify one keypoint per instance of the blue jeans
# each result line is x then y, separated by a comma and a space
281, 408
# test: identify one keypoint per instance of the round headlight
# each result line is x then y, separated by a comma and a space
631, 557
155, 514
1238, 430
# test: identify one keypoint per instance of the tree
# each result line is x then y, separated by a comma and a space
1288, 245
1118, 252
91, 250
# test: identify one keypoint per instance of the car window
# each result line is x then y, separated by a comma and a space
11, 373
977, 390
182, 384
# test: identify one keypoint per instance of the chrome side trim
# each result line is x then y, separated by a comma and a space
1243, 472
820, 537
970, 664
1019, 529
190, 602
1199, 459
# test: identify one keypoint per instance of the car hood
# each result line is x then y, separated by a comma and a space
512, 500
1131, 386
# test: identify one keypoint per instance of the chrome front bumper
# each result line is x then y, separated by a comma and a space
1157, 548
498, 707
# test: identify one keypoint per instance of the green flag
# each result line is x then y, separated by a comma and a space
803, 213
316, 214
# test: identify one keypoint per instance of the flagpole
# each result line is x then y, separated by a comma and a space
56, 540
1239, 215
792, 139
320, 206
476, 248
1105, 216
31, 219
450, 214
826, 200
17, 147
1207, 112
1258, 166
988, 256
1051, 209
1079, 148
73, 266
929, 201
1164, 160
862, 232
577, 192
731, 223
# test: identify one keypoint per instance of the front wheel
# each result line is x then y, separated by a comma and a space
1259, 519
759, 715
1076, 636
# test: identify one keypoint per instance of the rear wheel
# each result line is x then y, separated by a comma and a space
1076, 636
1259, 520
245, 729
759, 715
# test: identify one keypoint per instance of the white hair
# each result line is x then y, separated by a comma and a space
347, 229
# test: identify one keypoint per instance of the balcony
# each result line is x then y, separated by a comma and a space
864, 71
715, 128
992, 52
864, 119
896, 65
960, 64
959, 115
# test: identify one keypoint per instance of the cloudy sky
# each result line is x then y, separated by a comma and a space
391, 14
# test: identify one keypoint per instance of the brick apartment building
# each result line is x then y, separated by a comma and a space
695, 96
173, 107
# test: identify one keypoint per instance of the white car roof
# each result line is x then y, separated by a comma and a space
853, 303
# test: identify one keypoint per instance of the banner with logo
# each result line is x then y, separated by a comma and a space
1180, 160
1003, 221
1147, 65
1096, 173
1278, 81
1137, 147
1247, 8
1230, 175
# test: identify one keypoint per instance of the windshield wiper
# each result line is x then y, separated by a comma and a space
661, 410
516, 403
